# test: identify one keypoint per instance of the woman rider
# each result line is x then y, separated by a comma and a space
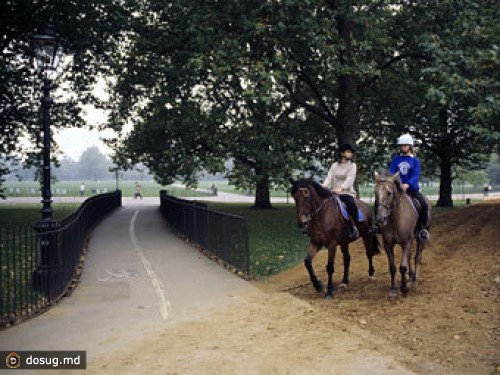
408, 167
340, 180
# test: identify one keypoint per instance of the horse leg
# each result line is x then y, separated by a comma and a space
368, 242
312, 250
332, 249
347, 262
411, 271
418, 260
420, 249
389, 250
404, 266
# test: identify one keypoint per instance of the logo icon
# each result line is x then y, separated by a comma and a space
404, 168
13, 360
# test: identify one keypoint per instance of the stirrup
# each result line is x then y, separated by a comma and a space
374, 229
424, 235
354, 233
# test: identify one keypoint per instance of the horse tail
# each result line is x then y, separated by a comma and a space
375, 247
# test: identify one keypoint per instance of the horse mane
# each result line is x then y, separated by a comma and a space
387, 177
305, 183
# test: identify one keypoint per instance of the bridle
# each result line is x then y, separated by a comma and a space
310, 215
395, 197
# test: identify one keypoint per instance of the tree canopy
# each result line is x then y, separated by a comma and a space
277, 85
91, 32
274, 86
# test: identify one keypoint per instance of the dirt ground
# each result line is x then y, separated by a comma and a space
450, 324
452, 318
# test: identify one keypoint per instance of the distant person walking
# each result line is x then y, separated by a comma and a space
138, 189
486, 190
82, 189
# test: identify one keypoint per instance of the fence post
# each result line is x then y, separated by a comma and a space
247, 248
47, 272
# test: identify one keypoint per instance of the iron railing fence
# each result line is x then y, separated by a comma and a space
223, 235
33, 278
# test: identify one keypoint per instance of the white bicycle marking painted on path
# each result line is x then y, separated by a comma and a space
117, 275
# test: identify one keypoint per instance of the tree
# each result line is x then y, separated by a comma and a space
307, 72
3, 172
295, 58
93, 165
67, 169
91, 32
449, 100
226, 101
493, 169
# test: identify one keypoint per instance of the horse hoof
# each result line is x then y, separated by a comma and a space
328, 296
343, 286
371, 278
393, 296
318, 286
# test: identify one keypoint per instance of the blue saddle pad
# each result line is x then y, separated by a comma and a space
343, 209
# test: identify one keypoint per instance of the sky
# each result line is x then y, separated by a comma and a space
73, 141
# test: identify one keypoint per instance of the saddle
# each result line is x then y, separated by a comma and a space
344, 212
415, 204
417, 207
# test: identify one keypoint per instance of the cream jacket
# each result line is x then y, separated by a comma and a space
342, 176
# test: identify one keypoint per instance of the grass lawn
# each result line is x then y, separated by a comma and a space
29, 214
275, 241
72, 188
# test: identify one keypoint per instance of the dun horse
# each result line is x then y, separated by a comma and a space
397, 218
319, 216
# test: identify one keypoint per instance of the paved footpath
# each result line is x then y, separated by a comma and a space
138, 278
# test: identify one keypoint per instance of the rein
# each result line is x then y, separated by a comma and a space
309, 200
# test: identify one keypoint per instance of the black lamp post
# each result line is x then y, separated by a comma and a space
48, 53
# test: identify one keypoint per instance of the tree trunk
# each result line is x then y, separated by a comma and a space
262, 195
347, 112
445, 183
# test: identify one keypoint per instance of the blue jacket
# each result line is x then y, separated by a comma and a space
408, 168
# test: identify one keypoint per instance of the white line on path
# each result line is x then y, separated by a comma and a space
164, 302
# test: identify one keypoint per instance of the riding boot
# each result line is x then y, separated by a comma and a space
354, 232
423, 233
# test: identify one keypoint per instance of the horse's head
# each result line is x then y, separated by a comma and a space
302, 196
387, 189
308, 195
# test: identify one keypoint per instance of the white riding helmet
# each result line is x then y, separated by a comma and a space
405, 139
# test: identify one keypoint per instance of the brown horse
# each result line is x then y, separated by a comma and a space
397, 219
319, 216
